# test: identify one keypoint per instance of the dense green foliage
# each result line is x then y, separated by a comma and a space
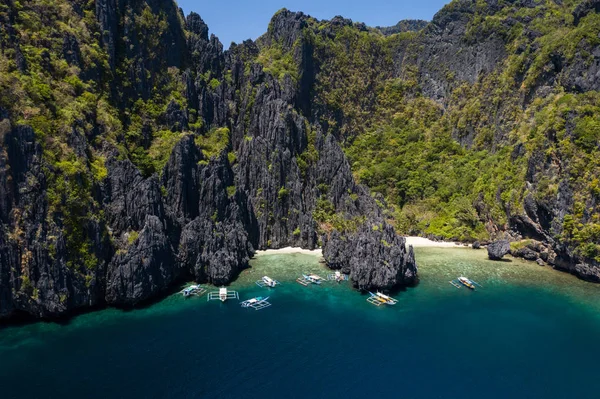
330, 220
80, 107
454, 168
406, 146
62, 106
214, 143
278, 62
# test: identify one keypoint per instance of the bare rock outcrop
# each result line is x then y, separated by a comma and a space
497, 249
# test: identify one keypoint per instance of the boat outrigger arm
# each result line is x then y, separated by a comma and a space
267, 281
337, 276
379, 299
465, 282
257, 303
193, 290
222, 295
307, 279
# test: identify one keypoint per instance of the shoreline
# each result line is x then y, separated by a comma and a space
422, 242
25, 319
290, 250
416, 242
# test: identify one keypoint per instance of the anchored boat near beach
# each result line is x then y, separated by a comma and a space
337, 276
379, 299
257, 303
222, 295
267, 281
307, 279
463, 281
193, 290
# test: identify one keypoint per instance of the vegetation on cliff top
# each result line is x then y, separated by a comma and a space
457, 168
451, 169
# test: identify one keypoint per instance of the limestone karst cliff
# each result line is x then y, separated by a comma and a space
136, 153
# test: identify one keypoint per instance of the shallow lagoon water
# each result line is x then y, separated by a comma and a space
531, 332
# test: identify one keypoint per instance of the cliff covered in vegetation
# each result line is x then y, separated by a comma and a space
485, 125
137, 153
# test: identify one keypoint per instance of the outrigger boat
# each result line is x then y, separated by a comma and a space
223, 294
193, 290
379, 299
307, 279
257, 303
267, 281
337, 276
463, 281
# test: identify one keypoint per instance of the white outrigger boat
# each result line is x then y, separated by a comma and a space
379, 299
193, 290
222, 295
337, 276
463, 281
267, 281
257, 303
307, 279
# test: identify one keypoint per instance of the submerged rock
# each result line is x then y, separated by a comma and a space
526, 253
498, 249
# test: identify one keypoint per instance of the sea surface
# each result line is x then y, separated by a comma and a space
530, 332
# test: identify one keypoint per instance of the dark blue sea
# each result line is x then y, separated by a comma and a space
530, 332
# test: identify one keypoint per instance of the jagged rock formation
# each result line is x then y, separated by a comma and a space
497, 77
374, 257
137, 153
247, 169
497, 249
406, 25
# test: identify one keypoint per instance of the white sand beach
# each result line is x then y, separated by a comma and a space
417, 242
420, 242
290, 250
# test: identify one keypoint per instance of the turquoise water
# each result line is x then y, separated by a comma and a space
529, 333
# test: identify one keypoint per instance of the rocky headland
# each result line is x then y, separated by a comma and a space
136, 153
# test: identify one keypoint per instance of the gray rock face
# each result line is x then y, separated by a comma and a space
71, 51
196, 25
372, 261
129, 198
286, 27
175, 117
445, 51
146, 269
35, 274
203, 218
583, 73
587, 271
181, 180
406, 25
106, 13
215, 251
498, 249
526, 253
586, 7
